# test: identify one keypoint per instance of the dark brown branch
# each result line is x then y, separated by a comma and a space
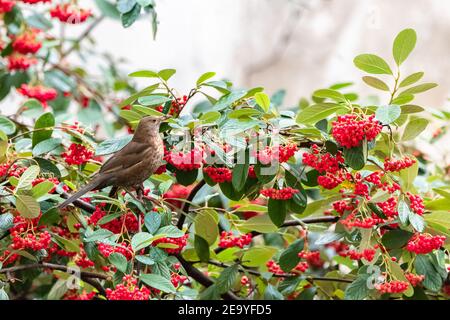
79, 203
52, 266
203, 279
187, 204
284, 275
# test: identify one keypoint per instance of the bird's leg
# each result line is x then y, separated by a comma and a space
139, 191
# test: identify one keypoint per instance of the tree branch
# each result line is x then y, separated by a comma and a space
79, 203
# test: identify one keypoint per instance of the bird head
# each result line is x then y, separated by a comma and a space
149, 125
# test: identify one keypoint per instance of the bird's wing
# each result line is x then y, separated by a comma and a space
129, 156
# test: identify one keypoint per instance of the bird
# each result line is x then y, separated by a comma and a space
132, 165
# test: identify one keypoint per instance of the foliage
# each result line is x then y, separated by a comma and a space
322, 200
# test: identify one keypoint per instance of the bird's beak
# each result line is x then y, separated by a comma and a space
163, 118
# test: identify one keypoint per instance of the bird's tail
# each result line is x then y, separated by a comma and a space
89, 187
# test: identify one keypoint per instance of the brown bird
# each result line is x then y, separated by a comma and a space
132, 165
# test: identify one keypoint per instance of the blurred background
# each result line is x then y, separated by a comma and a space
295, 45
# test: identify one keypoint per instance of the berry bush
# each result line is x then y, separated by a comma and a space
329, 199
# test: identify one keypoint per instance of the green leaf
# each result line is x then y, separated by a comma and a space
3, 295
414, 128
277, 211
166, 74
7, 126
210, 117
289, 257
316, 112
227, 278
424, 266
376, 83
416, 221
170, 232
201, 248
403, 211
271, 293
153, 100
388, 114
124, 6
396, 239
6, 221
227, 100
98, 235
358, 289
257, 256
419, 88
27, 177
204, 77
411, 79
411, 108
263, 101
130, 17
41, 189
145, 260
261, 223
371, 63
356, 157
240, 172
330, 94
404, 43
46, 146
144, 74
206, 225
119, 261
152, 222
403, 99
112, 145
408, 176
108, 9
158, 282
27, 206
141, 240
47, 120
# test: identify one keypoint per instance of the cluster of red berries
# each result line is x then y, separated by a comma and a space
351, 221
177, 191
185, 161
274, 267
125, 249
330, 181
8, 257
276, 153
350, 129
35, 1
416, 203
27, 42
279, 194
55, 182
77, 154
342, 206
218, 175
414, 279
69, 13
180, 242
338, 246
74, 295
128, 221
389, 207
18, 62
301, 267
40, 93
251, 172
82, 259
424, 243
6, 5
228, 240
397, 165
367, 254
325, 162
245, 281
312, 258
394, 286
178, 279
33, 241
128, 290
176, 106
